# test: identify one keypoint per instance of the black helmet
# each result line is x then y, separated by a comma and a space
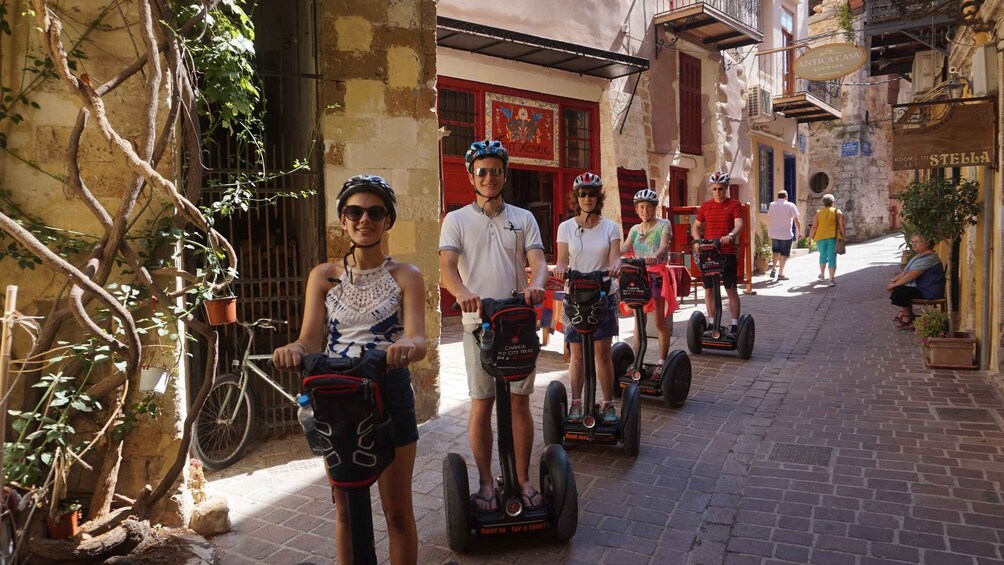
373, 185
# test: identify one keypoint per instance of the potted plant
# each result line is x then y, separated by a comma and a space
943, 350
64, 523
762, 252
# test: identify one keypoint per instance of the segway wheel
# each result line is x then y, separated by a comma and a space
622, 356
695, 329
557, 483
631, 420
555, 410
746, 336
676, 374
457, 499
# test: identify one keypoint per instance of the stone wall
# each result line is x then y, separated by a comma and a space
860, 184
379, 68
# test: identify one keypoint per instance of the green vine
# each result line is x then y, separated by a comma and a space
845, 19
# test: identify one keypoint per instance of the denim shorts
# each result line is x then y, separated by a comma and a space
608, 326
399, 399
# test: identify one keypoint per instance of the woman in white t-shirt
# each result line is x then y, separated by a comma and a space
589, 242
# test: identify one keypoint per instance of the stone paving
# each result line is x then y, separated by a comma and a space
833, 445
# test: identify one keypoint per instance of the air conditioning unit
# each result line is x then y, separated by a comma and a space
985, 70
760, 104
927, 67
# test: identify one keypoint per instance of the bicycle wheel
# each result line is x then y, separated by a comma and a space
223, 427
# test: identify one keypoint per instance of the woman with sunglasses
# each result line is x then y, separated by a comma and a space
367, 300
589, 242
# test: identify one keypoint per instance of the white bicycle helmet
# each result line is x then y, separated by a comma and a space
721, 177
646, 195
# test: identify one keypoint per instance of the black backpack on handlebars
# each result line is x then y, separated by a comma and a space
708, 257
348, 402
635, 287
586, 301
508, 338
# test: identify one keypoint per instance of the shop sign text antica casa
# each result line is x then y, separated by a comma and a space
934, 135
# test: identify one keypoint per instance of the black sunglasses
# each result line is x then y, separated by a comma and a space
355, 213
484, 171
719, 188
588, 193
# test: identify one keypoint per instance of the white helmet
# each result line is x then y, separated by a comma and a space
646, 195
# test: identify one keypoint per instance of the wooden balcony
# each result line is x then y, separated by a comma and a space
716, 24
895, 30
797, 98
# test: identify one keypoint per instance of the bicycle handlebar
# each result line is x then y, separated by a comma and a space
266, 323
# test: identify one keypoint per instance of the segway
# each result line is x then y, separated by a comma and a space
509, 348
672, 384
356, 434
699, 335
586, 304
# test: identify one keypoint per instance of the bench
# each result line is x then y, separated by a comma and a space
939, 303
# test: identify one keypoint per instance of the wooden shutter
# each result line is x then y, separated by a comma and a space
690, 104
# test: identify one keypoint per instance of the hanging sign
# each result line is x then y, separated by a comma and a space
527, 128
831, 61
936, 135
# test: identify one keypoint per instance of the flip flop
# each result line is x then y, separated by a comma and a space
782, 278
529, 497
491, 503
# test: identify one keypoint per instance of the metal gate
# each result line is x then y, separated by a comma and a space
276, 244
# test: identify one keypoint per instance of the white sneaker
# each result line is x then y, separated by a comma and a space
832, 283
821, 277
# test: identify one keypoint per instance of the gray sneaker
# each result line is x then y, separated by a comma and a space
574, 412
831, 283
610, 413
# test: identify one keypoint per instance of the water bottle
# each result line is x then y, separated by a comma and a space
487, 337
306, 416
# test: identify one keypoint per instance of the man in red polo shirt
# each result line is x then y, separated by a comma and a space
721, 217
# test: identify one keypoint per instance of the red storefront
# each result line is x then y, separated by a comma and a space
550, 140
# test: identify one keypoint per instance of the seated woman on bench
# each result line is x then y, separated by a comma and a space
922, 278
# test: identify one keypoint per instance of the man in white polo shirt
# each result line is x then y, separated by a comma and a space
484, 249
782, 214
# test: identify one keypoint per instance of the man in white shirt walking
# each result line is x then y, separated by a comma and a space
782, 215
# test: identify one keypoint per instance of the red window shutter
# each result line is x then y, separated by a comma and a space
690, 104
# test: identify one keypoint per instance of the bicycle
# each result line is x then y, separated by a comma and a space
223, 427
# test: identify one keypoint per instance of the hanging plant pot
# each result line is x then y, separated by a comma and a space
950, 353
153, 379
63, 525
221, 311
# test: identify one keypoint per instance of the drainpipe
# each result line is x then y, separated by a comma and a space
988, 245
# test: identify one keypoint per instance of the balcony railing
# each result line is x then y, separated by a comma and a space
796, 97
723, 24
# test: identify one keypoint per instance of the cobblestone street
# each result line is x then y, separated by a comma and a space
833, 445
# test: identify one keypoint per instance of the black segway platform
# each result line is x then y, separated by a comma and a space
717, 336
586, 301
509, 348
673, 383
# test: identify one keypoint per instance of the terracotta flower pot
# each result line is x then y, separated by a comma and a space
221, 311
950, 353
63, 525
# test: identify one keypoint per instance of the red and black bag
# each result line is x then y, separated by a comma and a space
636, 289
508, 338
586, 300
347, 398
708, 257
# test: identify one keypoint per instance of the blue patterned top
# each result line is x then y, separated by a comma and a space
364, 312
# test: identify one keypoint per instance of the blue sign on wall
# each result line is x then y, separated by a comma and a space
849, 149
866, 148
801, 143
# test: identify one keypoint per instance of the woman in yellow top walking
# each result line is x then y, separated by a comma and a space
826, 229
